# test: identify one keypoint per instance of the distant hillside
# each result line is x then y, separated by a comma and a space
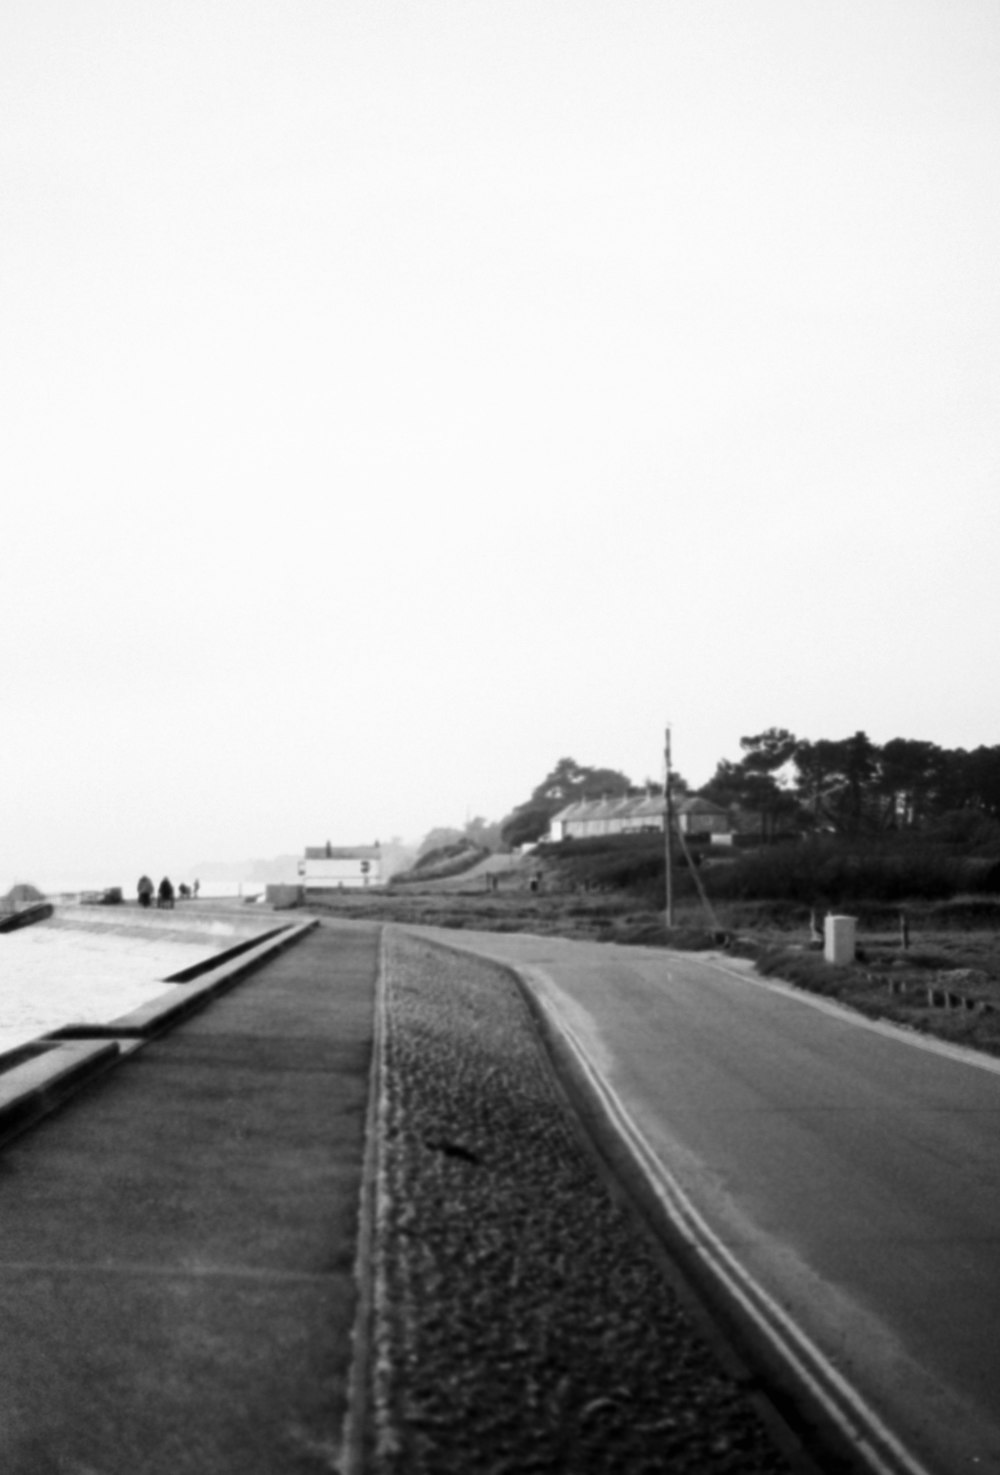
445, 860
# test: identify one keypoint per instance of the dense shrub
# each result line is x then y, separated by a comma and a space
632, 863
966, 911
818, 872
975, 832
830, 872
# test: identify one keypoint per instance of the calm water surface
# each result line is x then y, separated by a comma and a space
90, 964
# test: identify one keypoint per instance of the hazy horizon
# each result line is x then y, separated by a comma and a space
400, 398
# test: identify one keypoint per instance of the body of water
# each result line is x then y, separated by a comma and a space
74, 886
90, 964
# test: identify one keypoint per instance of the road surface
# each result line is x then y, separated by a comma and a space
841, 1173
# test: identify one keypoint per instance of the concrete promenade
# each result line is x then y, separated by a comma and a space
177, 1243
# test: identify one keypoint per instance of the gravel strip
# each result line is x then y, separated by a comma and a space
521, 1321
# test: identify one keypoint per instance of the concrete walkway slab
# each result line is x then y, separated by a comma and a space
177, 1247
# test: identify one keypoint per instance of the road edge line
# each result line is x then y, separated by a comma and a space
858, 1426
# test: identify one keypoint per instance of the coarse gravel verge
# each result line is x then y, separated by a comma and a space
521, 1321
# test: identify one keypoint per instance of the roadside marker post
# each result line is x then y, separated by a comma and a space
668, 832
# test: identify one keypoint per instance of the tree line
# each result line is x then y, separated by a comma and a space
852, 786
848, 786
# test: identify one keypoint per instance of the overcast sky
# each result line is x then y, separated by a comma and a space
399, 395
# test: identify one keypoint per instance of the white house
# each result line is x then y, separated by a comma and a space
585, 817
645, 813
337, 867
562, 824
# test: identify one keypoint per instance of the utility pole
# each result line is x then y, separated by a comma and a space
668, 831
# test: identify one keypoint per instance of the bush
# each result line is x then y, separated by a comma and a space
969, 828
966, 911
831, 872
632, 863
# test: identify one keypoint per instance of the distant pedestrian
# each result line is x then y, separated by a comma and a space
145, 890
166, 893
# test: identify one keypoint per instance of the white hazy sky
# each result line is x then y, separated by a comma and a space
398, 395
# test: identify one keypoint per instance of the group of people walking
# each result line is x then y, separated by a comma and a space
164, 893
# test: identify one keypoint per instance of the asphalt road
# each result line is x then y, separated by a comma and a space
842, 1174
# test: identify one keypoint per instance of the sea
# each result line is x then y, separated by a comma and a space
78, 885
88, 964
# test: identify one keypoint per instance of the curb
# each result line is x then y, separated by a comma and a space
38, 911
36, 1086
163, 1013
215, 961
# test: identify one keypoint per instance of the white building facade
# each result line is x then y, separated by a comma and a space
638, 814
340, 867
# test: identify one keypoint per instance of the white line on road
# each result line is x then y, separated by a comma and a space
886, 1027
871, 1438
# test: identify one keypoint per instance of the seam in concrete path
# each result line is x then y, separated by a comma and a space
145, 1269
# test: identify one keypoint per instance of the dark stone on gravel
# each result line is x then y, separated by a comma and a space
522, 1321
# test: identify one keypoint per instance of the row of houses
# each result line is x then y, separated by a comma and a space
639, 814
356, 867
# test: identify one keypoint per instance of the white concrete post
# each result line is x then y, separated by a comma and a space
839, 939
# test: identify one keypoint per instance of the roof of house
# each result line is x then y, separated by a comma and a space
638, 806
619, 808
575, 810
649, 804
609, 808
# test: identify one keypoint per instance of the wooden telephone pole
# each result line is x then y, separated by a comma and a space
668, 832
